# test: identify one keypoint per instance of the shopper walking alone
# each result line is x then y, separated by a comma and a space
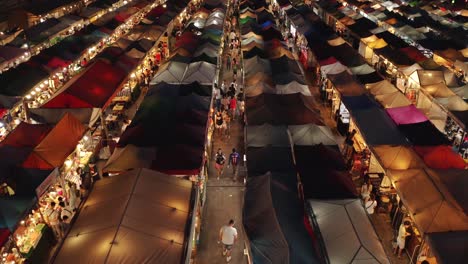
228, 236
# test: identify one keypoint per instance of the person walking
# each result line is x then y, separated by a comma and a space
233, 107
234, 161
220, 159
228, 236
228, 62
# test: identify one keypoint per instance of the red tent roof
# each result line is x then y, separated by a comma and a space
26, 135
413, 53
328, 61
92, 89
441, 157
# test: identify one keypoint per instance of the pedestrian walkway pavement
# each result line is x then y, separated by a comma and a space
224, 201
224, 197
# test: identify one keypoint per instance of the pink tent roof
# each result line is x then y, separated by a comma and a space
406, 115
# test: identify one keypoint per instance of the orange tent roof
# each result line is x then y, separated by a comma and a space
54, 148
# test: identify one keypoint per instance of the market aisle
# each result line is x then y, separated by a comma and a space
224, 197
224, 201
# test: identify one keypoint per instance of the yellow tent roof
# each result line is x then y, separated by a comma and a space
369, 39
378, 44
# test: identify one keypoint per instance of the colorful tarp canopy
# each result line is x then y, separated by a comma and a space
406, 115
94, 88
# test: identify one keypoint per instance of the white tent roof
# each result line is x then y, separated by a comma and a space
461, 91
267, 135
453, 103
334, 68
347, 232
362, 69
293, 87
311, 134
170, 72
200, 71
410, 69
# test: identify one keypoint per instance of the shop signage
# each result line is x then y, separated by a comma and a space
47, 182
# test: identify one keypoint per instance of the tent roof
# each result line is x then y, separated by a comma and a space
378, 133
363, 69
438, 211
139, 216
397, 157
277, 234
346, 84
267, 135
406, 115
93, 88
269, 158
449, 247
293, 87
86, 116
310, 134
267, 241
382, 87
170, 72
290, 109
130, 157
423, 134
55, 147
395, 99
26, 135
346, 231
441, 157
201, 72
335, 68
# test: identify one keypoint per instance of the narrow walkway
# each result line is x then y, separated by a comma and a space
224, 201
224, 197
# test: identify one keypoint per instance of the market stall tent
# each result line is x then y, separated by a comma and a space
267, 135
345, 231
139, 216
170, 72
55, 147
438, 211
130, 157
273, 220
94, 88
310, 134
87, 116
449, 247
201, 72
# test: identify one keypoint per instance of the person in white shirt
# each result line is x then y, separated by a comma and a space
370, 204
366, 190
228, 236
401, 239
